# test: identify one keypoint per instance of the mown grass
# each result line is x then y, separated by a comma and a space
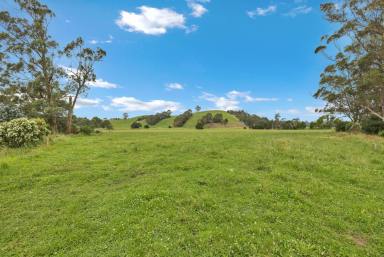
195, 193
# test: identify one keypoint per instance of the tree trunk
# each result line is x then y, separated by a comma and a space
69, 117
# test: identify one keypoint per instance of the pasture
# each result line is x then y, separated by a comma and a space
182, 192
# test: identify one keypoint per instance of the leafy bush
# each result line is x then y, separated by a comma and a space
200, 125
372, 125
182, 118
381, 133
343, 126
107, 124
146, 126
23, 132
218, 118
136, 125
252, 121
10, 112
86, 130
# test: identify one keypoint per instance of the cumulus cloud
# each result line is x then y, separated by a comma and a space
303, 9
131, 104
198, 10
85, 102
222, 103
262, 11
246, 96
232, 99
150, 20
174, 86
100, 83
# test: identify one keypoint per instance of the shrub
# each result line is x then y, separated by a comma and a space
146, 126
154, 119
23, 132
169, 126
86, 130
218, 118
200, 125
372, 125
343, 126
136, 125
107, 124
381, 133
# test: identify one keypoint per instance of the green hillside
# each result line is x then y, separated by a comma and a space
233, 122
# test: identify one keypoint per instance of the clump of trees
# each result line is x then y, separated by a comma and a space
209, 119
136, 125
251, 120
353, 83
182, 118
156, 118
32, 83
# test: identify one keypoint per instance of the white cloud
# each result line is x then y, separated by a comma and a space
174, 86
262, 11
100, 83
299, 10
108, 41
232, 99
222, 103
191, 29
247, 97
85, 102
198, 10
131, 104
106, 107
151, 21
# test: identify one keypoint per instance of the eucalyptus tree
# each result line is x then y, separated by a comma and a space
27, 60
353, 84
81, 74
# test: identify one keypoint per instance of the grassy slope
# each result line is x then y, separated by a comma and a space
195, 193
191, 123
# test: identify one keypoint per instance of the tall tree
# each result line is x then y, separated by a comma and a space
28, 62
81, 74
354, 83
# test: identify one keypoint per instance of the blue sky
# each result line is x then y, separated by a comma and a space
219, 54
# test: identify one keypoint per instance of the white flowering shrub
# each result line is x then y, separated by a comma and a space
22, 132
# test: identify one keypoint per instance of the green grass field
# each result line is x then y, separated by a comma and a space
167, 192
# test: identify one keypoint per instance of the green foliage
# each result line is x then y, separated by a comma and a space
343, 126
107, 124
218, 118
199, 125
86, 130
22, 132
154, 119
252, 121
136, 125
372, 125
381, 133
10, 112
146, 126
180, 120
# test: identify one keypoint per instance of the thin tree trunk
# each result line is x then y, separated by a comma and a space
69, 117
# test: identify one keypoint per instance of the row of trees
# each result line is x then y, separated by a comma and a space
182, 118
31, 79
353, 83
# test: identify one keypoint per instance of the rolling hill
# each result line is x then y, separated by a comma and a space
233, 122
